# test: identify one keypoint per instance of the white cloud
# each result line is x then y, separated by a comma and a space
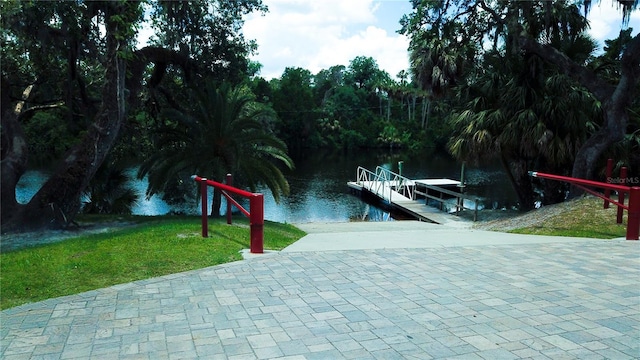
605, 20
316, 35
389, 51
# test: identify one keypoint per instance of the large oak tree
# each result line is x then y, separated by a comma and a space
81, 58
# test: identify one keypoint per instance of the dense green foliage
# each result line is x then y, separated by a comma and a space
525, 87
78, 89
354, 106
86, 99
221, 130
155, 247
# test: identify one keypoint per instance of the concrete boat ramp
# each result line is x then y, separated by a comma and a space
394, 290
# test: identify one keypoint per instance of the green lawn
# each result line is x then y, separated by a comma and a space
154, 247
582, 217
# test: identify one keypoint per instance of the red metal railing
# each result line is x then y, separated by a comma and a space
255, 213
633, 209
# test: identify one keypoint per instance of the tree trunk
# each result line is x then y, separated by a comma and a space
518, 175
13, 161
616, 116
389, 108
413, 107
426, 112
63, 191
408, 107
590, 152
216, 203
553, 191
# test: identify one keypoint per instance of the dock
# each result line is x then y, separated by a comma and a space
411, 196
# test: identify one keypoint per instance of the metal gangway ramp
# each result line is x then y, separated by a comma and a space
386, 184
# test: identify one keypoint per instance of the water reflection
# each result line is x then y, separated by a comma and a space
29, 184
146, 206
318, 187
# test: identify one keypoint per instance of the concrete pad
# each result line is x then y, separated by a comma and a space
563, 300
407, 234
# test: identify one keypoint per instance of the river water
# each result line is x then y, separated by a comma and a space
319, 191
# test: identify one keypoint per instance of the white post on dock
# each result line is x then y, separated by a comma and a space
462, 176
460, 200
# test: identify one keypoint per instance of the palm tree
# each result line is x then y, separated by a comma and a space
109, 191
222, 132
529, 116
438, 59
444, 33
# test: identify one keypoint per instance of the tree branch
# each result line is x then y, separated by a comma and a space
28, 113
160, 57
587, 78
496, 17
630, 69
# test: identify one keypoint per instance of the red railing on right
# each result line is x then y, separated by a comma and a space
633, 209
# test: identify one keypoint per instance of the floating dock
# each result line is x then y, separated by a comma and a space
411, 196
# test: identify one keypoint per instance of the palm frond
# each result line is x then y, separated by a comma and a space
222, 132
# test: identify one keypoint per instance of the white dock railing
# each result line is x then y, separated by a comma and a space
385, 182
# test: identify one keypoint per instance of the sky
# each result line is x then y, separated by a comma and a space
318, 34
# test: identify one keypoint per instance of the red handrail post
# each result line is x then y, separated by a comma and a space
205, 208
230, 183
623, 178
607, 192
256, 223
633, 214
255, 215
